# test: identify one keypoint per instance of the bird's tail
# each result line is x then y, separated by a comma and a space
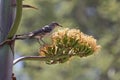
22, 36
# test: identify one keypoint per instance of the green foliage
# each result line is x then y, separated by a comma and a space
110, 9
18, 16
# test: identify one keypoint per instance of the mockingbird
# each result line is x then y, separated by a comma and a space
37, 34
40, 33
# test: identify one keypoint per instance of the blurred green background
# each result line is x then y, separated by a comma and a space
100, 18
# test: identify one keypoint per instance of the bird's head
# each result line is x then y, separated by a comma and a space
55, 24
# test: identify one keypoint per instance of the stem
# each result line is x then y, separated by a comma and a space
29, 58
40, 58
6, 58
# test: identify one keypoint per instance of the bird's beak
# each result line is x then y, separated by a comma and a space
60, 25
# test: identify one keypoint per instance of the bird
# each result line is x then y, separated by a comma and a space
40, 33
37, 34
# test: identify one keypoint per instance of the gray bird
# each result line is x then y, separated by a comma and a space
40, 33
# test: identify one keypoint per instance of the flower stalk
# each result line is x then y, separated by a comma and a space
6, 58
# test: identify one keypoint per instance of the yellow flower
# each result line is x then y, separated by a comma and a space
67, 43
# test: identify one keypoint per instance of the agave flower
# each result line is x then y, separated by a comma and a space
67, 43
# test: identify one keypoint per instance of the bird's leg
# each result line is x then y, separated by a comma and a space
40, 40
43, 41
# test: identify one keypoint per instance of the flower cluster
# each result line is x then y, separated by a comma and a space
67, 43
